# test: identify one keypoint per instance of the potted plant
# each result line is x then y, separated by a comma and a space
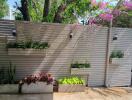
36, 83
27, 48
79, 68
7, 79
116, 57
71, 84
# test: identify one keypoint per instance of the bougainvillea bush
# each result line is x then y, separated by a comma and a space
107, 12
38, 77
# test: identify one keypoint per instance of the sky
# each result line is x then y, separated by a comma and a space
11, 3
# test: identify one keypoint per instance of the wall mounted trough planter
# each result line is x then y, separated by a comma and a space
71, 88
116, 61
79, 71
38, 87
26, 52
9, 88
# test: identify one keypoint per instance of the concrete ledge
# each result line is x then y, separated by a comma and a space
26, 96
9, 88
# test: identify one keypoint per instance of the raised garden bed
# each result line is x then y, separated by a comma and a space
9, 88
37, 83
26, 52
38, 87
71, 84
71, 88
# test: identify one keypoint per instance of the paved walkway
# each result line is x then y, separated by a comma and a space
89, 94
97, 94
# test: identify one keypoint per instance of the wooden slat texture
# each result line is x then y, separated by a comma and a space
121, 75
87, 45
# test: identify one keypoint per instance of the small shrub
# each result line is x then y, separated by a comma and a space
38, 77
28, 44
117, 54
71, 80
8, 75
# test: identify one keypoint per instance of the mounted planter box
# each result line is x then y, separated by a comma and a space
38, 87
116, 61
8, 88
79, 71
26, 52
71, 88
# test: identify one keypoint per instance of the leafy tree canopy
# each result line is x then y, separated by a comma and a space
3, 8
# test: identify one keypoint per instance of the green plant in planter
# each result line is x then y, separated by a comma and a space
80, 65
71, 80
117, 54
28, 44
7, 75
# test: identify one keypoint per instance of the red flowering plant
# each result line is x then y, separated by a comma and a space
38, 77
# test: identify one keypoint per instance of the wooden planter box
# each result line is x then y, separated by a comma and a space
26, 52
8, 88
71, 88
79, 71
116, 61
38, 87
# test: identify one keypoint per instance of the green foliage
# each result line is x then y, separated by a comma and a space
3, 8
18, 16
117, 54
124, 20
80, 65
52, 11
8, 75
71, 80
76, 9
35, 8
28, 44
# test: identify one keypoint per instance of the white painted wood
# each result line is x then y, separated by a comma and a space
88, 44
116, 61
79, 71
121, 75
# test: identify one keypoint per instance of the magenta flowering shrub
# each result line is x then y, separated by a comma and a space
103, 5
128, 5
106, 16
38, 77
106, 10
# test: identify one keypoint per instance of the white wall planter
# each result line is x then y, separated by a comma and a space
71, 88
116, 61
26, 52
38, 87
9, 88
79, 71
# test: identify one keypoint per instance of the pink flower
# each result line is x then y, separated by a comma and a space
93, 2
91, 21
116, 12
128, 4
103, 5
106, 16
